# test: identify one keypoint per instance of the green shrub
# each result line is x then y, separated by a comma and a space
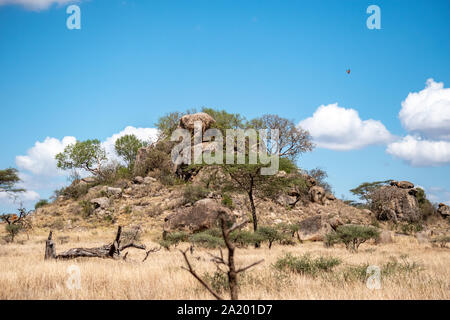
305, 264
13, 230
40, 204
205, 240
395, 267
87, 208
193, 193
227, 201
74, 191
174, 238
352, 236
244, 238
289, 229
218, 281
270, 235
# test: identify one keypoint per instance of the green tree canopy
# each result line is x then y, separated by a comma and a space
364, 189
87, 155
8, 179
127, 147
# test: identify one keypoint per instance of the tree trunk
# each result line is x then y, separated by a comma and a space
111, 251
50, 250
254, 217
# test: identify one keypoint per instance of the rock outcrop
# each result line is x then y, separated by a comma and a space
402, 184
396, 202
444, 210
315, 228
201, 216
188, 121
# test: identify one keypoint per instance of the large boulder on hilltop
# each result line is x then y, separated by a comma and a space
395, 203
201, 216
187, 121
443, 210
402, 184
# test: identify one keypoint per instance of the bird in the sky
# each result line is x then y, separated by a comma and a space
348, 71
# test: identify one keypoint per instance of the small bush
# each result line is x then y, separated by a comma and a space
13, 230
205, 240
409, 228
218, 281
227, 201
127, 209
289, 229
352, 236
270, 235
193, 193
40, 204
243, 238
306, 265
442, 241
87, 208
74, 191
395, 267
173, 239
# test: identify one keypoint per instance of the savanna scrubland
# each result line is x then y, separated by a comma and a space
313, 245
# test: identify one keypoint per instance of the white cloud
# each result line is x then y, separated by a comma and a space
428, 111
337, 128
40, 159
26, 198
36, 4
38, 170
144, 134
420, 152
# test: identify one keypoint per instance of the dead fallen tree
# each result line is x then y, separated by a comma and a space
107, 251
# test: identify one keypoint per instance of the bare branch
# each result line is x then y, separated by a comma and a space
147, 253
249, 266
196, 276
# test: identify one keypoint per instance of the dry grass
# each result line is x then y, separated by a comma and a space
25, 275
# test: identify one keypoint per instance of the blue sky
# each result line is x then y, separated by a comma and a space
133, 61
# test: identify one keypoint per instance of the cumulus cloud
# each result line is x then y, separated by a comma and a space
40, 159
426, 115
421, 152
26, 199
145, 134
38, 170
428, 111
337, 128
36, 4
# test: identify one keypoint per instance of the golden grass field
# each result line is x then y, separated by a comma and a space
25, 275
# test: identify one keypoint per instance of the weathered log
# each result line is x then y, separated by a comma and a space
107, 251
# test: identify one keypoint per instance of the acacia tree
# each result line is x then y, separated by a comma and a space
127, 148
292, 140
364, 190
248, 178
8, 179
88, 155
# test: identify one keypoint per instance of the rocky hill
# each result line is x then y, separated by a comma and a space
194, 204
